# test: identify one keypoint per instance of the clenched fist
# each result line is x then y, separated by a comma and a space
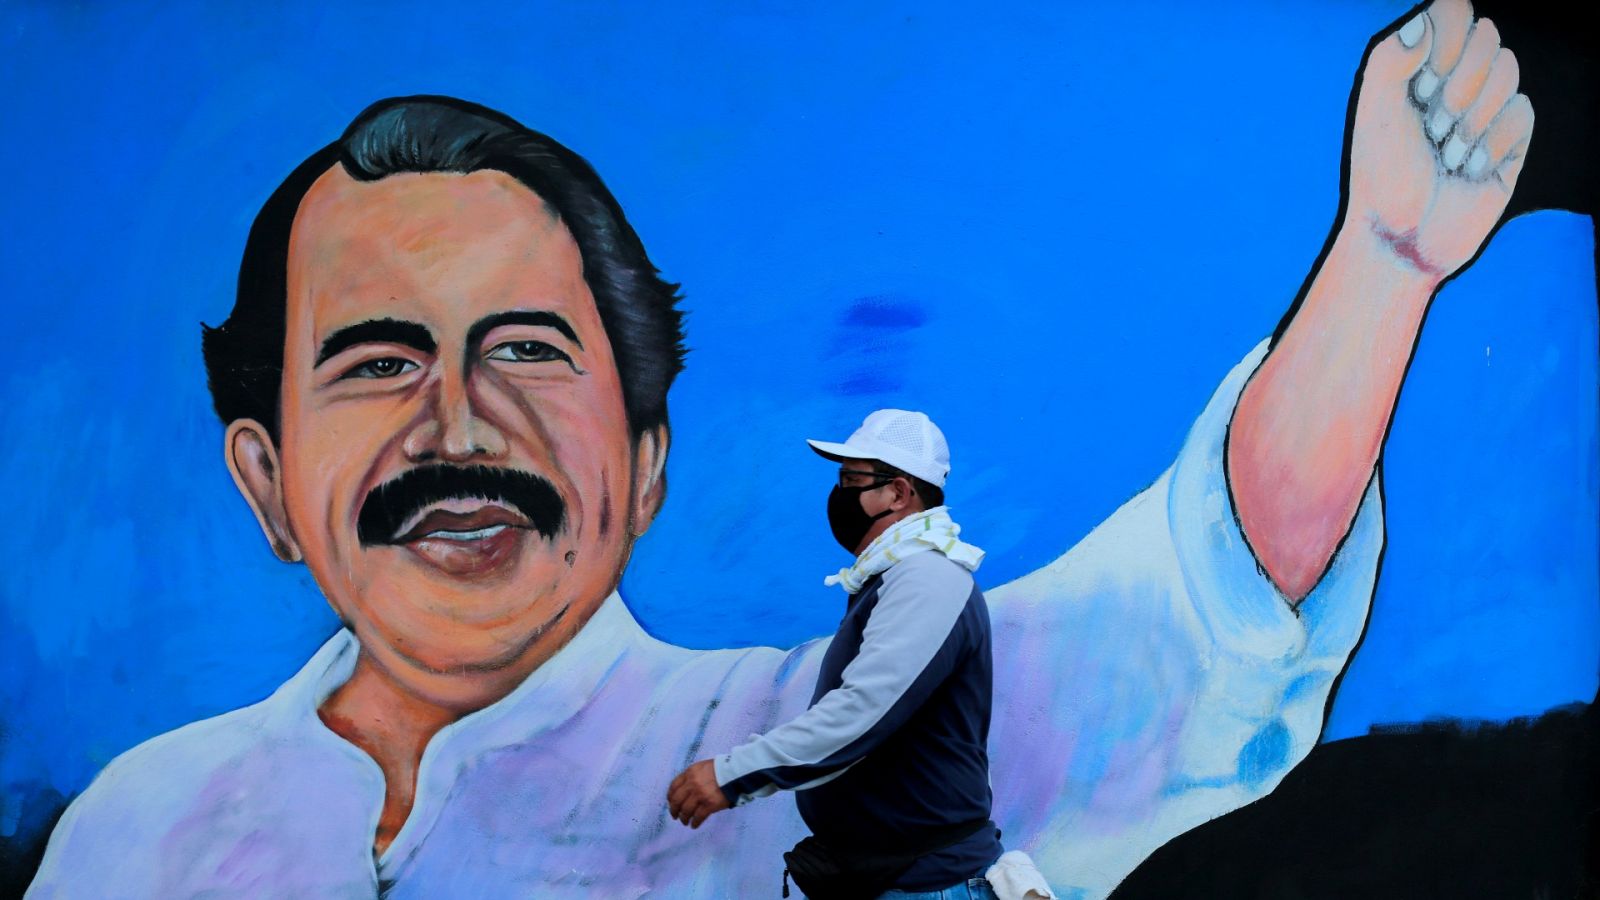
1440, 134
694, 795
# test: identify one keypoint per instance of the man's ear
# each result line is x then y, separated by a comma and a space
904, 494
253, 461
649, 477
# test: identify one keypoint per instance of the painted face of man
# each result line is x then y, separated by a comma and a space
454, 461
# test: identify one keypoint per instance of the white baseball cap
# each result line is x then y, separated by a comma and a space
907, 440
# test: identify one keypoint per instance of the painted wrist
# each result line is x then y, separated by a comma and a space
1392, 258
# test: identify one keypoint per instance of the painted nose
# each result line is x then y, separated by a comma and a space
455, 430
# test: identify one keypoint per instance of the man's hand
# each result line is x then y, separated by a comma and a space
1440, 134
694, 795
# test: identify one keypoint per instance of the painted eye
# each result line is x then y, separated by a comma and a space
528, 351
387, 367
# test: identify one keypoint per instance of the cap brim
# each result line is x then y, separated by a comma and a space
837, 452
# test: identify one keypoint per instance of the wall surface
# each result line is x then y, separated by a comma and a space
1054, 229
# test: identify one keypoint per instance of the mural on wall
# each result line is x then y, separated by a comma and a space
442, 393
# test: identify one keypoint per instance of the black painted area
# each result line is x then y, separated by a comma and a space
1441, 810
1557, 44
21, 851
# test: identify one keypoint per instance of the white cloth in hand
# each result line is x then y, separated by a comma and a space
1014, 877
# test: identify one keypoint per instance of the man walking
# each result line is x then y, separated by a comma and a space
890, 763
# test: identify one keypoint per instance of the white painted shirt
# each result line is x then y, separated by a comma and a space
1146, 681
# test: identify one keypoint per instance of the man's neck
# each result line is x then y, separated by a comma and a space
393, 726
884, 524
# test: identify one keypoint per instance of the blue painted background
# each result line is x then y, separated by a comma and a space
1053, 229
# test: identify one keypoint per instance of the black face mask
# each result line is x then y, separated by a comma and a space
847, 518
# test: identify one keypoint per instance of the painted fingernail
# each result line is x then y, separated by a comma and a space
1411, 32
1455, 150
1477, 162
1439, 124
1425, 84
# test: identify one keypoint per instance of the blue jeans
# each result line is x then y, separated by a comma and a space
971, 889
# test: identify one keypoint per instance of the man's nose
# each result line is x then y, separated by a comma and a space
454, 430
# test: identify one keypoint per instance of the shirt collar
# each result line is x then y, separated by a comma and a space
551, 695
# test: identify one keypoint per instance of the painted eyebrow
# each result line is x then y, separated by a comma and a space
483, 326
377, 331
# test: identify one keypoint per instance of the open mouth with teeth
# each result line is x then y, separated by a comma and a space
465, 537
460, 520
466, 521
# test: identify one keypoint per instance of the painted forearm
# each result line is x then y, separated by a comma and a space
1311, 423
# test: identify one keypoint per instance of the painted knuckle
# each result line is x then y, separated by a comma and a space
1506, 61
1520, 112
1486, 32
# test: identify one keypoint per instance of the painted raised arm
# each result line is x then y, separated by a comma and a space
1437, 139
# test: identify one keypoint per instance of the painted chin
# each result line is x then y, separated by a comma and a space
482, 554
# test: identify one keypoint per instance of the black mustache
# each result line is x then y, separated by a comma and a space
390, 504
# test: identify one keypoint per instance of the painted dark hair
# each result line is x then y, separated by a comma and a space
244, 355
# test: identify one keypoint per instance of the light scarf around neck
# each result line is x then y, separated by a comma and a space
931, 529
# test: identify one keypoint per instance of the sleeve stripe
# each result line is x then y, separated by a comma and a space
906, 637
805, 775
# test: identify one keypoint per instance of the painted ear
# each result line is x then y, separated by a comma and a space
649, 477
253, 461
